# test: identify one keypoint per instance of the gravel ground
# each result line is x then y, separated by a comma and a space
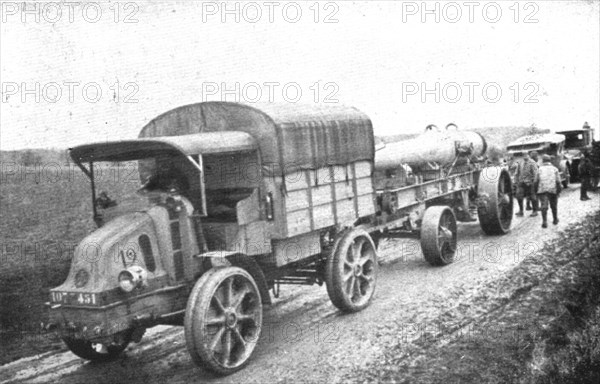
506, 331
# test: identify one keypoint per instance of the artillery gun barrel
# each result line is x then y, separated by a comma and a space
439, 147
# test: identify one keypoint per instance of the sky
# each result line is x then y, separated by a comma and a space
84, 72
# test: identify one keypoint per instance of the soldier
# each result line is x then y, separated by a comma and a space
585, 174
595, 159
535, 158
527, 179
105, 202
549, 187
513, 169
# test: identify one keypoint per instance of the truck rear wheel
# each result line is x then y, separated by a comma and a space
98, 351
223, 320
438, 235
495, 201
351, 271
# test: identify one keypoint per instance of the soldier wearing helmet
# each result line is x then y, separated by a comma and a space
527, 179
549, 187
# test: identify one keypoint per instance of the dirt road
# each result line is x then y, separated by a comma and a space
304, 337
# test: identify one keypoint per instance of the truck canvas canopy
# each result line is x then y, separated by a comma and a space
289, 137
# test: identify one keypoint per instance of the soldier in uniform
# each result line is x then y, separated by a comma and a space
549, 187
585, 174
513, 169
527, 183
535, 158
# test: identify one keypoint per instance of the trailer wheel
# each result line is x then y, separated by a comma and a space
98, 351
351, 271
438, 235
495, 201
223, 320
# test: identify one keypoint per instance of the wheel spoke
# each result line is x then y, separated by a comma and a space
357, 246
368, 278
503, 199
246, 317
366, 258
237, 300
217, 320
217, 338
227, 347
348, 275
356, 288
350, 259
350, 286
239, 337
229, 291
445, 234
218, 304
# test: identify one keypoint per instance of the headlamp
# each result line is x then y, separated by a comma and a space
132, 277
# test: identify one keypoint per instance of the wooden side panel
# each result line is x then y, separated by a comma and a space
293, 249
298, 222
319, 176
323, 216
342, 173
364, 186
296, 200
363, 169
328, 196
366, 205
345, 211
321, 195
295, 181
344, 190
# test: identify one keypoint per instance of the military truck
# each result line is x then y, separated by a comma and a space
236, 201
576, 142
544, 144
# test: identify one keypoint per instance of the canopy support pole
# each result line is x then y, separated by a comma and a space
93, 190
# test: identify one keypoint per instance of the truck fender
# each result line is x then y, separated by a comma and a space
216, 259
248, 264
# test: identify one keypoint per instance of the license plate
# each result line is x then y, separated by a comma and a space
74, 298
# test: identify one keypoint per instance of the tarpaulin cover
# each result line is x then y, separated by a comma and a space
289, 136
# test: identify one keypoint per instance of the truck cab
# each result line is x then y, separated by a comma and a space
137, 269
576, 142
544, 144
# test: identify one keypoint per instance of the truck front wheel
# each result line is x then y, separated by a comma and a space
223, 320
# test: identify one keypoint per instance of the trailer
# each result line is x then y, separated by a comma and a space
241, 200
